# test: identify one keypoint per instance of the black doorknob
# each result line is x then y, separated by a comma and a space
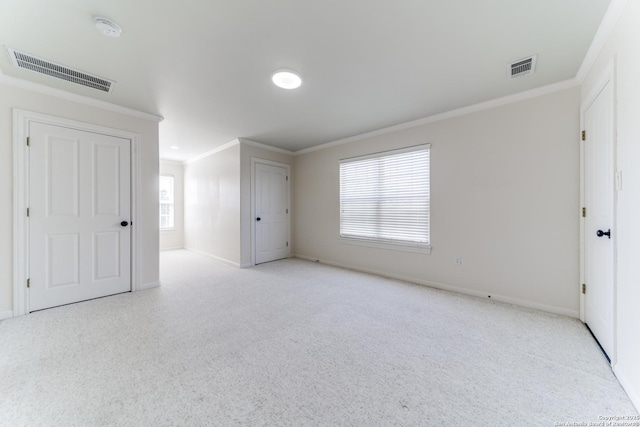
124, 223
258, 219
601, 233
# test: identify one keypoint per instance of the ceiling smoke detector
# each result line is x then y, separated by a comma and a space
107, 27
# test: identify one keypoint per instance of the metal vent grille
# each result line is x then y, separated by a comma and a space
522, 67
42, 66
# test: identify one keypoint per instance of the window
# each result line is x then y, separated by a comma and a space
384, 199
166, 202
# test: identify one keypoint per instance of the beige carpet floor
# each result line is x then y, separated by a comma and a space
295, 343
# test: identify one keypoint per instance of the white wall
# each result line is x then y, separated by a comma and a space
174, 239
505, 195
212, 205
13, 97
247, 152
623, 47
217, 201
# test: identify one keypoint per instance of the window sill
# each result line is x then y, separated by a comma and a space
165, 230
384, 245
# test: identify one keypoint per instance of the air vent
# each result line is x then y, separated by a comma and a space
42, 66
522, 67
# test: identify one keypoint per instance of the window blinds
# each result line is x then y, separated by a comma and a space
385, 197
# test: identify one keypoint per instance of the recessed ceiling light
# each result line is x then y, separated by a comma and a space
174, 147
107, 26
286, 79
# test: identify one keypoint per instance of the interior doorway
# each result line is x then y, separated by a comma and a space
270, 209
599, 186
79, 215
75, 211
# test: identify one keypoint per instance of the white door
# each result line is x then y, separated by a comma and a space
79, 209
271, 213
599, 186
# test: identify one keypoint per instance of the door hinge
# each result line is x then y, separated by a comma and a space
287, 177
584, 288
287, 211
28, 142
287, 244
28, 283
584, 135
28, 211
584, 212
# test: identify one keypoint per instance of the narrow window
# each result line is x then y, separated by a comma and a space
384, 198
166, 202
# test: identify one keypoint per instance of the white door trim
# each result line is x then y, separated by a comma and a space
607, 77
255, 160
21, 122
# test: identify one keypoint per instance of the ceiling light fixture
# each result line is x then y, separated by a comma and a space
107, 26
174, 147
286, 79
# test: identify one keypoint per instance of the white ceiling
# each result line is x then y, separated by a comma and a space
205, 65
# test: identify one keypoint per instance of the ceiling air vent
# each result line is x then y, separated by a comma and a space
42, 66
522, 67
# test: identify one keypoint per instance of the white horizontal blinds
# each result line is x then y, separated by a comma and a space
385, 198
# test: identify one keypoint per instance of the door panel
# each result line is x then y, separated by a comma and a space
63, 260
271, 202
106, 260
79, 192
61, 164
599, 202
107, 179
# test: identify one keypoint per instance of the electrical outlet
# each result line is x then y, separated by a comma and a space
458, 260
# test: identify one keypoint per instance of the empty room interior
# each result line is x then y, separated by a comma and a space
320, 213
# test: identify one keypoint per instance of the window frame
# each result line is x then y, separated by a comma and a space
172, 214
406, 246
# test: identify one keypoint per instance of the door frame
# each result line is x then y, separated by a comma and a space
606, 77
21, 123
254, 161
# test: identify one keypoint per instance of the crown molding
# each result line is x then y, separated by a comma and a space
510, 99
605, 29
265, 146
80, 99
212, 152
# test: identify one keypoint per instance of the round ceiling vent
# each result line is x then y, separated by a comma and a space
107, 27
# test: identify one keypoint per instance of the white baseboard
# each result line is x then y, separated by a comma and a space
217, 258
634, 395
6, 314
172, 248
445, 287
149, 285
